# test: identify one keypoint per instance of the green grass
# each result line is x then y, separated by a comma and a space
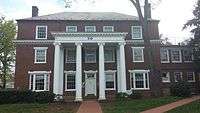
193, 107
39, 108
135, 106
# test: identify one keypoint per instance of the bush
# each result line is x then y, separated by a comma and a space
13, 96
180, 89
121, 96
136, 95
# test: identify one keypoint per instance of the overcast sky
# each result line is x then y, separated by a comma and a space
171, 13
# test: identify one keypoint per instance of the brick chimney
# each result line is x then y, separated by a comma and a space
34, 11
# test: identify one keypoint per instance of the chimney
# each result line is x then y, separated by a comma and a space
147, 10
34, 11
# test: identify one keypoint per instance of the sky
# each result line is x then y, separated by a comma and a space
173, 14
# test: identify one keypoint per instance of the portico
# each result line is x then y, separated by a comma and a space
78, 39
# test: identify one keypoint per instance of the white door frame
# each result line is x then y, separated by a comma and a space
91, 72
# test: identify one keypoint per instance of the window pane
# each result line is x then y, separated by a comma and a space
108, 29
175, 55
190, 76
178, 76
90, 56
139, 80
187, 55
90, 29
110, 81
41, 32
136, 32
109, 55
138, 54
165, 77
71, 81
39, 82
164, 55
71, 28
40, 55
71, 55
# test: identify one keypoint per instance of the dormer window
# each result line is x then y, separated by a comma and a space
90, 29
71, 28
41, 32
108, 28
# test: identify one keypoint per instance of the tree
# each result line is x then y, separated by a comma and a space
195, 42
7, 48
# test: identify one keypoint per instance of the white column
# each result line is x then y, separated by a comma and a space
56, 68
101, 72
118, 71
61, 77
78, 72
122, 67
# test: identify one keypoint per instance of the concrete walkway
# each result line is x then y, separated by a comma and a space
173, 105
89, 107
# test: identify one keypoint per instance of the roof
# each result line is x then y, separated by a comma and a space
84, 16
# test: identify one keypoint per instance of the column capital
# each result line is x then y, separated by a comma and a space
122, 43
78, 43
56, 43
101, 43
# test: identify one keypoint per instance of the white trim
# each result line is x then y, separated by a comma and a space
71, 26
113, 52
114, 74
35, 57
142, 48
108, 26
180, 56
36, 36
168, 61
90, 26
38, 72
140, 33
138, 71
90, 71
193, 74
66, 73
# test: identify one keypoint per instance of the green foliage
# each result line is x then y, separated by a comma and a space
12, 96
121, 96
180, 89
136, 95
7, 48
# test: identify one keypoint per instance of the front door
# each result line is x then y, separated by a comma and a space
90, 84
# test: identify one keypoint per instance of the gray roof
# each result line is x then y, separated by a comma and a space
84, 16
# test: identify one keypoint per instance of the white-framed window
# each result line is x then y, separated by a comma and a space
90, 28
90, 55
110, 80
109, 55
108, 28
165, 77
138, 54
70, 55
71, 28
39, 81
164, 55
187, 56
136, 32
176, 56
41, 32
178, 76
40, 54
139, 79
190, 77
70, 81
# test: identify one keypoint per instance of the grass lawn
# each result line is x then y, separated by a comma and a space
193, 107
136, 105
40, 108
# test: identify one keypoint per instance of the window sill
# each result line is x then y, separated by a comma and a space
165, 62
109, 61
40, 90
138, 61
40, 38
70, 90
110, 89
40, 62
140, 89
176, 61
165, 81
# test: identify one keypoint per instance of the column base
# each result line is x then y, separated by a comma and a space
102, 98
78, 99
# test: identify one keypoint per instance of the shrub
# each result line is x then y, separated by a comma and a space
136, 95
180, 89
121, 96
13, 96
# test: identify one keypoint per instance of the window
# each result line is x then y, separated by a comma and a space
40, 54
39, 82
109, 55
138, 54
140, 79
108, 29
71, 28
41, 32
176, 56
70, 81
110, 80
165, 77
164, 54
136, 32
178, 76
90, 29
71, 55
187, 56
90, 55
190, 76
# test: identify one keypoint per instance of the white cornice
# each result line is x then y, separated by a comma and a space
33, 41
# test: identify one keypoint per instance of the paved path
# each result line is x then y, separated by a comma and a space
173, 105
89, 107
